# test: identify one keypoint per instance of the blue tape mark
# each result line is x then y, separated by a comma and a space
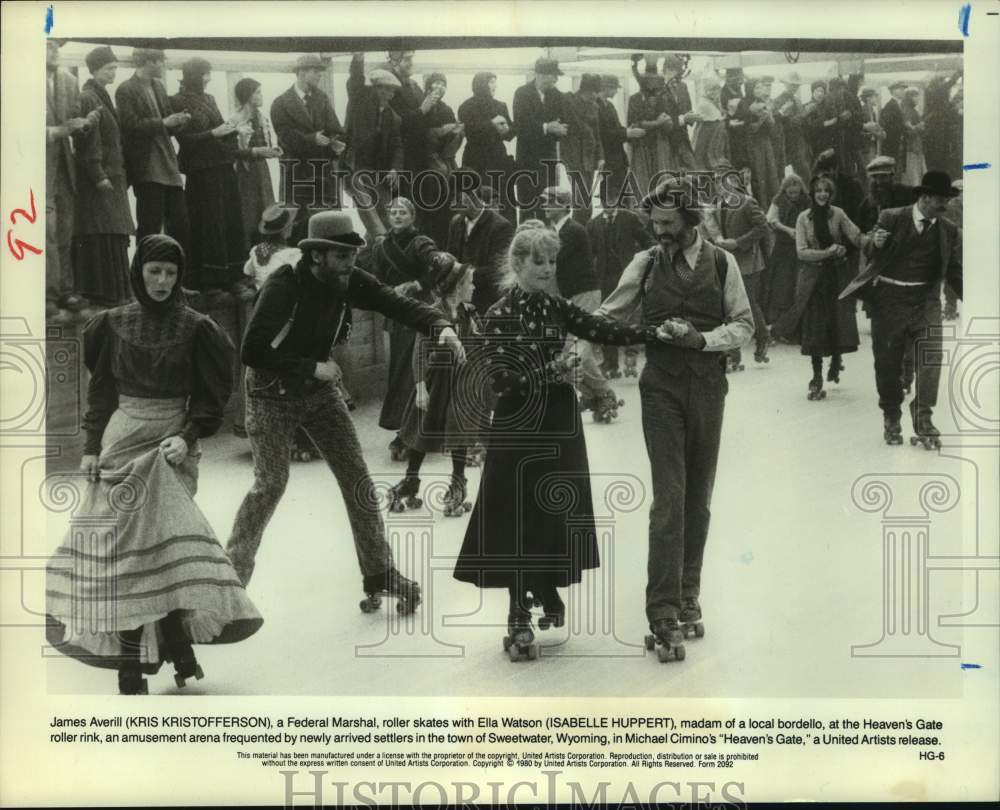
49, 19
963, 19
972, 666
969, 166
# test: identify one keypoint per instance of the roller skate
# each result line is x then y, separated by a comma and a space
403, 496
397, 450
816, 391
519, 643
691, 618
836, 366
554, 610
734, 363
892, 431
391, 583
927, 435
631, 363
604, 405
131, 682
186, 666
760, 352
455, 504
303, 448
667, 639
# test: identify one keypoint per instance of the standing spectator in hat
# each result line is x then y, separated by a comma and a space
375, 145
697, 289
847, 138
679, 108
148, 121
217, 244
539, 122
892, 121
613, 139
791, 115
488, 128
577, 281
738, 225
413, 105
255, 145
444, 137
615, 237
916, 165
711, 138
479, 237
103, 215
766, 168
582, 150
301, 313
732, 87
648, 110
818, 123
63, 121
942, 122
873, 134
883, 192
312, 140
731, 100
913, 249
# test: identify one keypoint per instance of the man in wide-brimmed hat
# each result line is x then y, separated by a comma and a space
312, 139
302, 312
539, 122
913, 249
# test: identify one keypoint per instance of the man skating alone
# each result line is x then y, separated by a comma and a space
301, 313
698, 287
914, 249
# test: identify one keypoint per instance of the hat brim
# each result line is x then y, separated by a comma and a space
937, 192
351, 240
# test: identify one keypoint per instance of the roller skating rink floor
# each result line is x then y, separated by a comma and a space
793, 573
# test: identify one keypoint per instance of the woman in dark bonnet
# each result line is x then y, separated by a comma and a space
255, 144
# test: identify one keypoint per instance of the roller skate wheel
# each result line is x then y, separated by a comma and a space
544, 623
650, 643
506, 643
414, 503
663, 654
914, 441
405, 607
396, 506
532, 652
679, 652
699, 630
305, 455
513, 653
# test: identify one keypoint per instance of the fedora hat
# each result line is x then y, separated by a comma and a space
331, 229
275, 219
546, 66
309, 60
937, 183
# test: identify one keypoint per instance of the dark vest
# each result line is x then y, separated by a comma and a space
698, 300
918, 258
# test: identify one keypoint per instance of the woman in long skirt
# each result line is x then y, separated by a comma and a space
827, 326
255, 145
142, 577
783, 263
402, 259
532, 526
647, 110
916, 164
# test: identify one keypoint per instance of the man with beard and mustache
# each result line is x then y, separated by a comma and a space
914, 249
698, 289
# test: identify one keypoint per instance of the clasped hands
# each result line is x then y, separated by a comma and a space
680, 332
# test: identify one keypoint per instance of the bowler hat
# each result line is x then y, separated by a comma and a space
275, 219
309, 60
883, 164
556, 198
867, 92
590, 83
547, 67
937, 183
610, 82
331, 229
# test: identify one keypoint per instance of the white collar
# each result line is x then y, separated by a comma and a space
558, 226
917, 216
300, 93
470, 223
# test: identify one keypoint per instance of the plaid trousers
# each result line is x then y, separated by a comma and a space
272, 416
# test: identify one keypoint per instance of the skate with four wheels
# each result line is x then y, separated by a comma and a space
816, 391
455, 503
927, 435
836, 366
186, 666
691, 624
631, 363
892, 430
519, 643
404, 495
604, 405
667, 639
391, 583
553, 609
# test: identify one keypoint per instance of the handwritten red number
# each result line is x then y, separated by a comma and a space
30, 217
17, 246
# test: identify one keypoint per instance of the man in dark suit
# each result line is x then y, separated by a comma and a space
581, 150
678, 100
480, 236
310, 135
891, 121
615, 237
738, 225
375, 146
147, 122
538, 122
912, 251
613, 139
